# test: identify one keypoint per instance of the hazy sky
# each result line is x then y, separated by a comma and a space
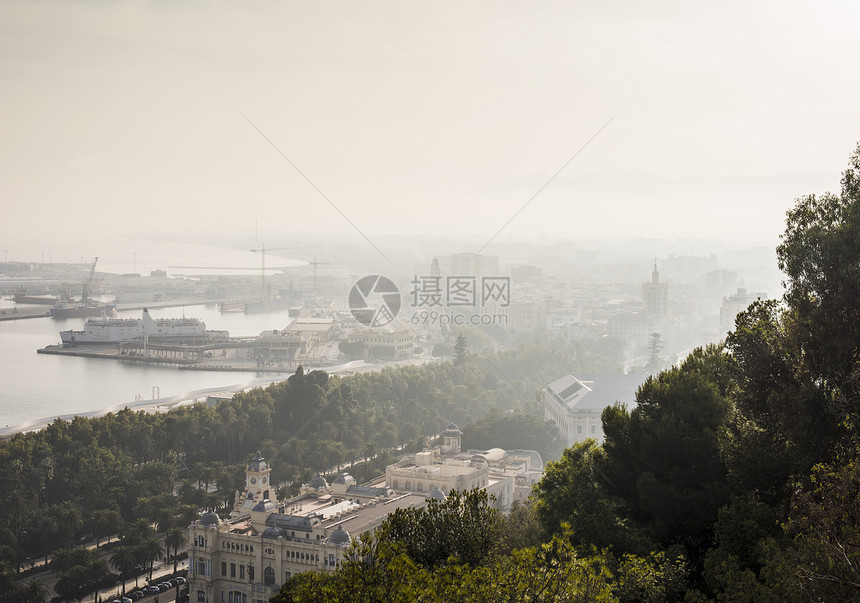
421, 117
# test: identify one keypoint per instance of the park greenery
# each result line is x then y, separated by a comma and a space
735, 477
139, 478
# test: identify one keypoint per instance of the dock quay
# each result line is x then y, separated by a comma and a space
230, 355
23, 312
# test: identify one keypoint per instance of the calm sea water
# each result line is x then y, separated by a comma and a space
39, 386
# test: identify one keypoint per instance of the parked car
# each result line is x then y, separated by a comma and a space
163, 586
135, 595
180, 580
151, 590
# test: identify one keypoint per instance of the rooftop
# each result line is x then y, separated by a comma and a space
597, 392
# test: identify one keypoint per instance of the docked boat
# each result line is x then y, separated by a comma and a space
36, 300
117, 330
68, 308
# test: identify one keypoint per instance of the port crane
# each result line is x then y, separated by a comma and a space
262, 251
85, 287
315, 263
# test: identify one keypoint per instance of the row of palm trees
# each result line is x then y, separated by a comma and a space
81, 571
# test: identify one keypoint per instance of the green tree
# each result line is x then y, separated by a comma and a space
821, 258
653, 579
461, 350
34, 592
125, 562
352, 349
520, 529
824, 524
151, 549
464, 526
105, 522
655, 346
664, 459
575, 492
176, 538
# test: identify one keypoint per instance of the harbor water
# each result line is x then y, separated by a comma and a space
35, 387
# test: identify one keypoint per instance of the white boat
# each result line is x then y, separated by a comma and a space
116, 330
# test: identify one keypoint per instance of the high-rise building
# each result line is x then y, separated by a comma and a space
655, 296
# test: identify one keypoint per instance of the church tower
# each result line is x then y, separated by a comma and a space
655, 296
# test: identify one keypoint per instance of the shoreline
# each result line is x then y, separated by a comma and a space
169, 403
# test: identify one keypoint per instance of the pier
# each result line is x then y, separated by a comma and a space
230, 355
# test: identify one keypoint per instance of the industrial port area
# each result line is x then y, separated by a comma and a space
116, 322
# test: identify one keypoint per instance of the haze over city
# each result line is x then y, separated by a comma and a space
428, 119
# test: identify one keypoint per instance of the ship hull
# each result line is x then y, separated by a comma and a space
78, 311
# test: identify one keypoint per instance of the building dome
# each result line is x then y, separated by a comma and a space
318, 482
209, 518
452, 431
265, 506
344, 478
339, 537
436, 493
258, 463
273, 532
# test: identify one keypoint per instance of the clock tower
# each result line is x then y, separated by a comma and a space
258, 486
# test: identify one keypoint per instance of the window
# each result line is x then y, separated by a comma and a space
593, 427
223, 568
579, 430
232, 570
251, 573
242, 572
269, 577
201, 595
201, 568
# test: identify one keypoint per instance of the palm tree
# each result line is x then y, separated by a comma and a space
105, 522
96, 572
124, 561
140, 528
35, 592
187, 514
175, 538
151, 549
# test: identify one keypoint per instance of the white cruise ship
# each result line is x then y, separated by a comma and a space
116, 330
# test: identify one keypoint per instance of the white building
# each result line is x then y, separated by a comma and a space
246, 558
733, 305
576, 406
507, 475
